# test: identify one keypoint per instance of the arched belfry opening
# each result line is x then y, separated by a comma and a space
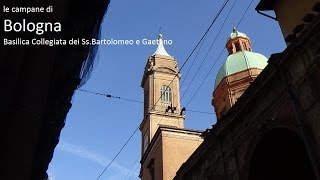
280, 155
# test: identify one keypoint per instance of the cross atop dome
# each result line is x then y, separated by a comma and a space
160, 49
234, 29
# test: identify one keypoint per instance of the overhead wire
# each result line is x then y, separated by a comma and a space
205, 57
134, 101
245, 12
194, 59
229, 12
202, 82
134, 164
205, 34
162, 118
189, 85
109, 96
117, 154
125, 144
134, 172
217, 59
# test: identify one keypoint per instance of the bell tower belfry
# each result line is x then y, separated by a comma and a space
160, 83
166, 145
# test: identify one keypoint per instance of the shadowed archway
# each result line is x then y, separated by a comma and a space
280, 155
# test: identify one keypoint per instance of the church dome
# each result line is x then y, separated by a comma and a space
240, 61
241, 67
240, 56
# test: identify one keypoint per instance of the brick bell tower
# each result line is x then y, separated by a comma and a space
161, 90
165, 143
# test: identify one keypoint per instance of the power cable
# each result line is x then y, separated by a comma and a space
125, 144
217, 58
134, 101
245, 12
198, 69
205, 34
194, 59
221, 9
208, 53
133, 172
185, 92
201, 112
194, 94
109, 96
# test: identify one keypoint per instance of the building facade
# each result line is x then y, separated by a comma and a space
273, 130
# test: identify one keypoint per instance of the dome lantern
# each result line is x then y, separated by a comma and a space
238, 41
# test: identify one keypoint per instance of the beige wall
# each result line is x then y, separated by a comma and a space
177, 148
169, 152
156, 154
157, 120
291, 12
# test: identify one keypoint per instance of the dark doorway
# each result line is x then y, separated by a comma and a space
281, 155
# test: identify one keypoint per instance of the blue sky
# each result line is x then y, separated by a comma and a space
97, 127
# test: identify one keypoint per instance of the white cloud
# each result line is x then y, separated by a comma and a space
118, 171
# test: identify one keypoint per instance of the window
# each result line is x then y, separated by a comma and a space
238, 48
166, 96
244, 46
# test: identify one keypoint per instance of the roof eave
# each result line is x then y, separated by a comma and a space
265, 5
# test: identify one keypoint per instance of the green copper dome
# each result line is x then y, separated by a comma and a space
240, 61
